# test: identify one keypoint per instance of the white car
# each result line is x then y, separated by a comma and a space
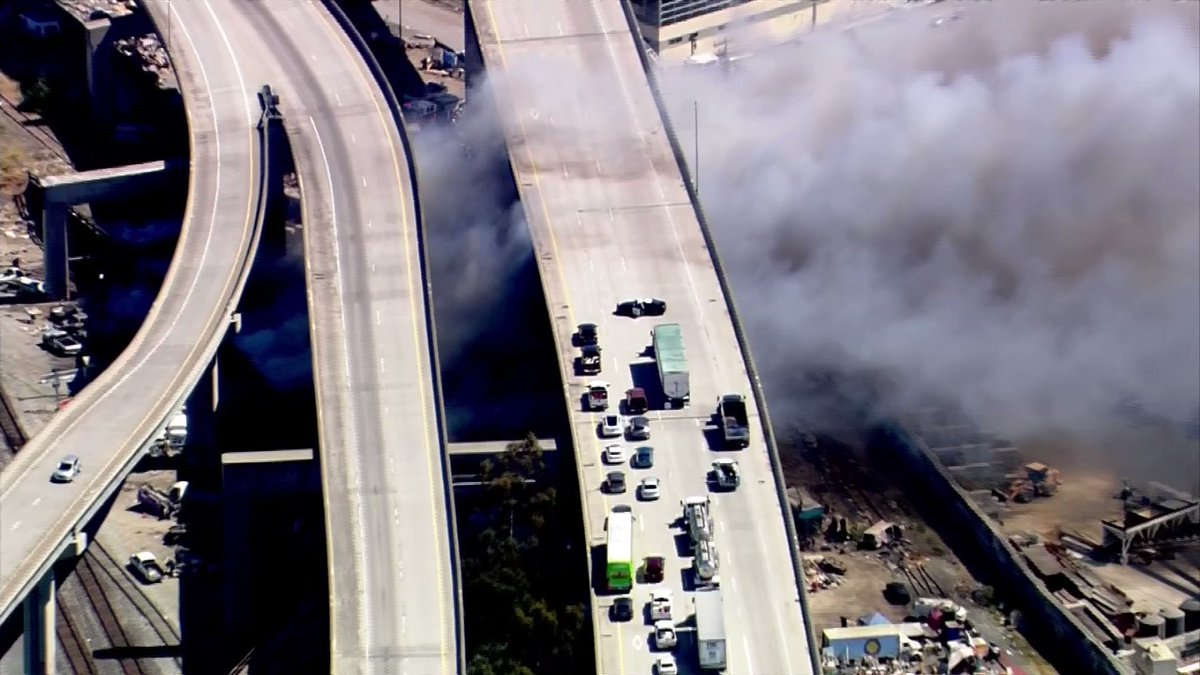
610, 426
68, 468
146, 567
614, 454
666, 665
649, 490
664, 635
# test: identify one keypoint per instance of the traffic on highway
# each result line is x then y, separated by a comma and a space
612, 221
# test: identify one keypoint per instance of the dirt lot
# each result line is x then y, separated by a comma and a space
840, 475
1081, 502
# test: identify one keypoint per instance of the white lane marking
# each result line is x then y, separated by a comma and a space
382, 365
353, 139
372, 267
36, 501
337, 98
378, 320
365, 612
566, 174
560, 30
16, 525
746, 646
364, 181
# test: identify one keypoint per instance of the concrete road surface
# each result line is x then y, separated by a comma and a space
422, 17
116, 414
393, 603
611, 220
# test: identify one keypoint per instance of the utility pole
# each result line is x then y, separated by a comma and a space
813, 25
168, 29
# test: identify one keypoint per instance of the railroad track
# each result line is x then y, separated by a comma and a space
103, 582
8, 423
32, 125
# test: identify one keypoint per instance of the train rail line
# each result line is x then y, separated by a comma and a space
13, 436
32, 125
103, 584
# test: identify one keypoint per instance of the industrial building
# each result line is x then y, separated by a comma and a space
678, 29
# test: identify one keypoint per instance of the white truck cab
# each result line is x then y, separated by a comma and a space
598, 395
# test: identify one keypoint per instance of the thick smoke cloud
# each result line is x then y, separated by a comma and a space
475, 228
1003, 211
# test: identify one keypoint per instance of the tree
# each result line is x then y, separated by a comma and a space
36, 94
519, 615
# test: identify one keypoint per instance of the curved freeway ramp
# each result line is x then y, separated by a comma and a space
394, 606
109, 424
611, 220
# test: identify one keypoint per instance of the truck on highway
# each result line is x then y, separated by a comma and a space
707, 564
597, 395
697, 519
669, 356
710, 629
735, 423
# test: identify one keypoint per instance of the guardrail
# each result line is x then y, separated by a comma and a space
743, 344
393, 104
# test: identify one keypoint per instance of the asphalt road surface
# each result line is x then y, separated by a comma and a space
110, 421
611, 220
393, 608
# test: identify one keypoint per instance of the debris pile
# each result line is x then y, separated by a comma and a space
150, 56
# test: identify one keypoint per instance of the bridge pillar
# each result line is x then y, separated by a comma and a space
54, 238
39, 627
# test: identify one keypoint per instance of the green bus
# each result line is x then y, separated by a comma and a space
620, 549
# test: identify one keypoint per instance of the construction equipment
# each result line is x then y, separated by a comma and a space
1039, 481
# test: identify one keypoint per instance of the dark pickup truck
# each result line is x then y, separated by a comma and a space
735, 424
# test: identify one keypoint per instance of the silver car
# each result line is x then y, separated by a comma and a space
68, 468
638, 429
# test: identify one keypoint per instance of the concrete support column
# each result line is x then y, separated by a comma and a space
40, 642
54, 236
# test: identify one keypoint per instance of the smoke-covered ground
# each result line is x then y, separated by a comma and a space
1001, 210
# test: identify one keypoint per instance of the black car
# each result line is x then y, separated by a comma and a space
616, 482
642, 307
897, 593
622, 609
587, 334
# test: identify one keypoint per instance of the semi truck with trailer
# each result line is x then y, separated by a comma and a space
671, 359
710, 629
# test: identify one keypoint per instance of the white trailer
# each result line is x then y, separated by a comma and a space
710, 629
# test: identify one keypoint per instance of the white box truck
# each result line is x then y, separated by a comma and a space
710, 629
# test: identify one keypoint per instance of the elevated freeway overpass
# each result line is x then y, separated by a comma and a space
393, 579
394, 598
611, 219
111, 422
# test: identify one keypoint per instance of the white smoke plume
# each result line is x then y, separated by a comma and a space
1002, 210
474, 227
